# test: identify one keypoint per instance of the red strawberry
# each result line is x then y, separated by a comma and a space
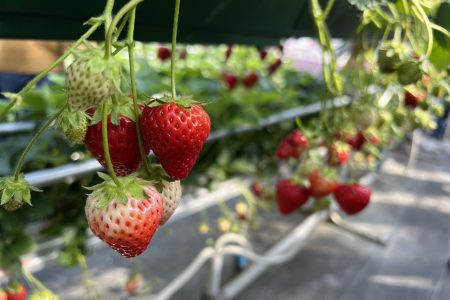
164, 53
357, 141
321, 186
171, 195
292, 146
338, 154
413, 100
123, 145
16, 291
127, 217
228, 52
257, 189
285, 149
134, 282
176, 135
274, 66
299, 139
374, 139
230, 80
262, 53
290, 196
3, 295
250, 80
352, 198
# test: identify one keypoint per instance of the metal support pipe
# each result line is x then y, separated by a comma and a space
47, 177
280, 117
10, 128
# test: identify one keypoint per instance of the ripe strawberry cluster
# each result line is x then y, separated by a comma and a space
164, 53
316, 179
125, 211
17, 291
250, 79
14, 291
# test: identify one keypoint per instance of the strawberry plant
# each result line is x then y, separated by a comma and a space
125, 208
393, 75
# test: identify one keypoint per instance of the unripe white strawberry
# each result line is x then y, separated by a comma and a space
73, 124
91, 80
171, 195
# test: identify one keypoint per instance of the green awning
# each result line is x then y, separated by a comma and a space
258, 22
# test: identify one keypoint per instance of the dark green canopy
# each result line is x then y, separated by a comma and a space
258, 22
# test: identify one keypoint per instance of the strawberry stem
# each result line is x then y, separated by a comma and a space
33, 281
107, 14
174, 47
87, 278
34, 140
112, 27
330, 74
109, 164
57, 62
130, 44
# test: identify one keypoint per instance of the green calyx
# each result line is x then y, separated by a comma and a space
130, 186
183, 101
157, 176
15, 286
15, 193
73, 125
119, 106
13, 97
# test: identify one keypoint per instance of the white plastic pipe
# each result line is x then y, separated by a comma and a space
187, 274
296, 238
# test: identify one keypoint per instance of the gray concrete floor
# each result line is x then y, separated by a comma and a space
412, 211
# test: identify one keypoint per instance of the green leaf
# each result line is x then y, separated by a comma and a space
443, 19
440, 57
